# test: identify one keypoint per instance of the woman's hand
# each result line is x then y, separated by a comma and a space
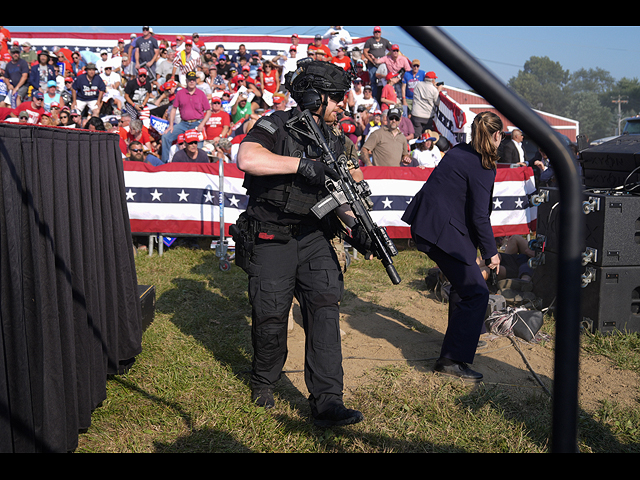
494, 263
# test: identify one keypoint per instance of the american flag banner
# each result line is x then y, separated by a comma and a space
513, 213
184, 199
394, 188
89, 44
453, 121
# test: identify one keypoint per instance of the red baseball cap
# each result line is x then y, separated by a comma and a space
348, 128
191, 136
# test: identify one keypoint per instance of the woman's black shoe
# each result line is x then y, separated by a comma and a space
457, 369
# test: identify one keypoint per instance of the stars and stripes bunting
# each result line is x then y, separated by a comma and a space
90, 44
184, 199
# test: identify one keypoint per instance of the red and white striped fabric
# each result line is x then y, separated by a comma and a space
185, 65
394, 188
270, 45
184, 199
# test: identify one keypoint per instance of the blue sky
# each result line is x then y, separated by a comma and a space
503, 50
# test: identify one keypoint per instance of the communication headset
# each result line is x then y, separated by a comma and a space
312, 100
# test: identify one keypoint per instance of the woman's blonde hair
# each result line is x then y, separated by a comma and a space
485, 125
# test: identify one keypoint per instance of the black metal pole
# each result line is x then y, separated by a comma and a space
568, 317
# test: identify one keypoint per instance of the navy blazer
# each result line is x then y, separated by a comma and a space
453, 209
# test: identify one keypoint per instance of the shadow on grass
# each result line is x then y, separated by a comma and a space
212, 307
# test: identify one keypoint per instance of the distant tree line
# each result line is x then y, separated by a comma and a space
591, 97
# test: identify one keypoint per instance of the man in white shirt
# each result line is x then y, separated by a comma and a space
289, 63
105, 60
367, 100
518, 141
513, 152
427, 154
355, 94
338, 38
112, 80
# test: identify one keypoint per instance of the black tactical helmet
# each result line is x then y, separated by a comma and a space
322, 77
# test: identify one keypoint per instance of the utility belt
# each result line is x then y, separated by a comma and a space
282, 233
247, 232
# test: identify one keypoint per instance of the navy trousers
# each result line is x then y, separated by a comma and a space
468, 302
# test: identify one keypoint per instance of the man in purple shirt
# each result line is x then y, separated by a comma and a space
195, 111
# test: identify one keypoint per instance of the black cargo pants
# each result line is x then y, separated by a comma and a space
307, 267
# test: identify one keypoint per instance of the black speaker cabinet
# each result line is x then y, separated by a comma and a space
609, 164
612, 227
610, 297
147, 296
609, 178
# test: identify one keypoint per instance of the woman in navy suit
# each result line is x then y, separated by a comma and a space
450, 222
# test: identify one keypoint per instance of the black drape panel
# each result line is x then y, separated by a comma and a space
69, 312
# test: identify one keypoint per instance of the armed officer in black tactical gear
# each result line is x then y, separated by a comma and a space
286, 250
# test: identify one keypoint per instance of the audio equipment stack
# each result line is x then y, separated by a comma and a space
611, 165
610, 299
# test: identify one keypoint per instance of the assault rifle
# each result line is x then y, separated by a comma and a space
347, 191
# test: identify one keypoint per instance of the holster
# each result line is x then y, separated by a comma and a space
247, 232
244, 237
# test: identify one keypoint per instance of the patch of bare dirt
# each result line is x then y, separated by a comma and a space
404, 326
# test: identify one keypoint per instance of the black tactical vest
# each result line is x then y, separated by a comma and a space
290, 193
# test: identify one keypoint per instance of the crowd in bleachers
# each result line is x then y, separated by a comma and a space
122, 88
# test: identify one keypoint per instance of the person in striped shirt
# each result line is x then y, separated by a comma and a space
187, 60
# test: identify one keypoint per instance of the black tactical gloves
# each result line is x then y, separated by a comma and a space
316, 172
361, 241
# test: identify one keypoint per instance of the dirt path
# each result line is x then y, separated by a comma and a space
402, 326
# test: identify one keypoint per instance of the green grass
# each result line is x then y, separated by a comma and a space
188, 391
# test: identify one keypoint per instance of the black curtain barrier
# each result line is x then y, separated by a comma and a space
69, 309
